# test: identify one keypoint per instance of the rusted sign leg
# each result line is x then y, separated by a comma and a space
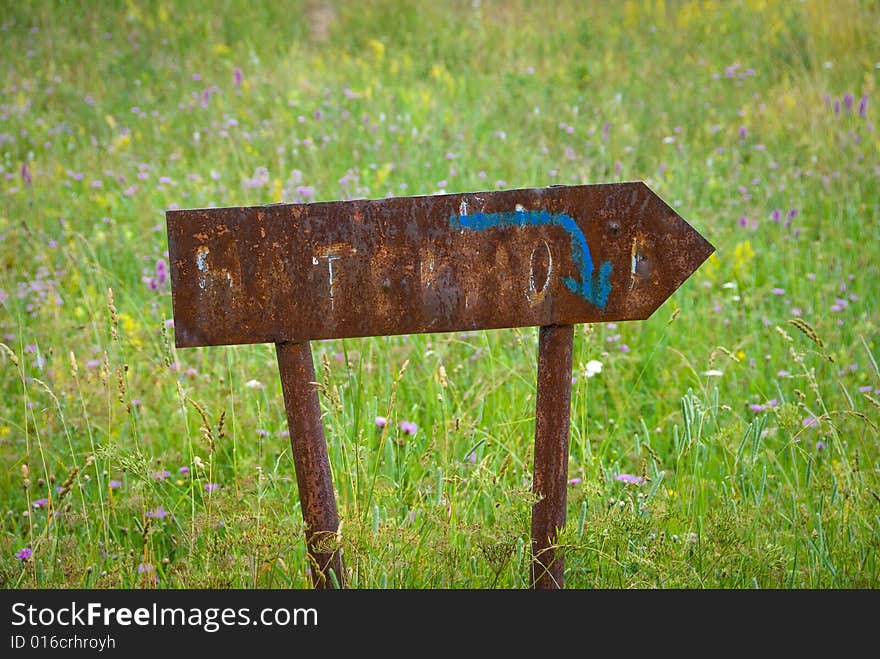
310, 459
551, 452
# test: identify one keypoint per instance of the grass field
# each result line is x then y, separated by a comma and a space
729, 441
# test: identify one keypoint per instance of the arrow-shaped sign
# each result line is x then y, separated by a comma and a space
553, 257
483, 260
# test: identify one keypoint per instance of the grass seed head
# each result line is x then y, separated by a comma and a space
9, 353
114, 317
807, 330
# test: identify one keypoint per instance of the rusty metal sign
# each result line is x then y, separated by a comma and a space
484, 260
550, 257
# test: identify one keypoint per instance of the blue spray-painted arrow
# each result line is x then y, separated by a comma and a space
593, 288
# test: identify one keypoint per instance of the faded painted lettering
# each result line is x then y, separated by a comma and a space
593, 287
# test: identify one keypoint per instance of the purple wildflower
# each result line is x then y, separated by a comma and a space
306, 192
145, 568
742, 132
863, 106
24, 554
210, 487
776, 215
114, 484
184, 470
629, 478
236, 77
381, 422
161, 271
754, 407
778, 291
574, 481
865, 390
39, 503
408, 427
157, 513
848, 102
809, 421
26, 174
820, 446
162, 475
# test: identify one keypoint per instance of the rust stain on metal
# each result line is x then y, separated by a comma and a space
310, 460
550, 256
550, 483
336, 249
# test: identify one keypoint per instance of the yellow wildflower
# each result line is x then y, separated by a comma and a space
378, 49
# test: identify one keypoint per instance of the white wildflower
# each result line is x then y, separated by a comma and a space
592, 368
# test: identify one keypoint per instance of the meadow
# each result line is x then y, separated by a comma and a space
730, 441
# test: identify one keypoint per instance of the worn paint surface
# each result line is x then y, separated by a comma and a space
592, 290
483, 260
